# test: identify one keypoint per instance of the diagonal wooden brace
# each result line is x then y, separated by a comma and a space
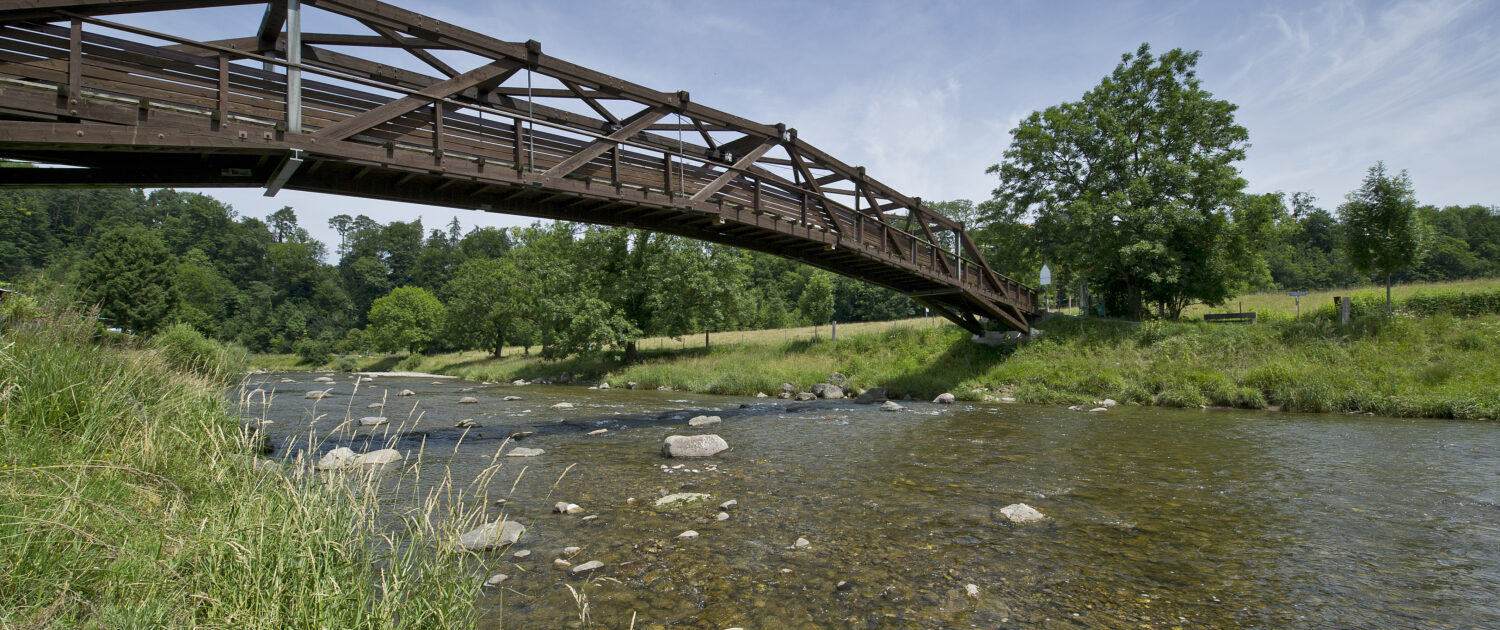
633, 125
739, 167
407, 104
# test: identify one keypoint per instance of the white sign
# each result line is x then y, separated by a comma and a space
1046, 275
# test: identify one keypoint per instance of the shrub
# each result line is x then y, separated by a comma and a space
186, 350
347, 364
411, 362
314, 352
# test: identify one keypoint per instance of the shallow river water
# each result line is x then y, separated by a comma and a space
1155, 517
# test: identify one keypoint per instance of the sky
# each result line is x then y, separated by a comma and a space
924, 93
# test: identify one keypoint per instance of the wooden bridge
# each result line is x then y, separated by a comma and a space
489, 125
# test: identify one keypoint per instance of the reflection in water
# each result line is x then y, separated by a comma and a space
1157, 518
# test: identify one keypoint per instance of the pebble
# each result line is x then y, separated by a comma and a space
563, 507
1098, 409
496, 579
703, 421
563, 405
972, 590
723, 516
512, 398
561, 564
466, 423
372, 421
731, 504
468, 400
522, 554
802, 543
590, 517
890, 405
1022, 513
587, 567
688, 535
844, 585
598, 432
572, 550
374, 405
501, 501
630, 501
406, 392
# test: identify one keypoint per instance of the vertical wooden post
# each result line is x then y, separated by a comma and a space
666, 160
516, 146
614, 165
75, 65
757, 194
437, 132
221, 115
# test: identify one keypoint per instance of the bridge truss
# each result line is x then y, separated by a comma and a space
489, 125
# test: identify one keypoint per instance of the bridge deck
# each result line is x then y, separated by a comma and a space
137, 112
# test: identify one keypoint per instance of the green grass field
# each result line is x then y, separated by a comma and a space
1280, 302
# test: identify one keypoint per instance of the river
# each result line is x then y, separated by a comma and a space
1156, 518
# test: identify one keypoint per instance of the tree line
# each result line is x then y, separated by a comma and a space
149, 259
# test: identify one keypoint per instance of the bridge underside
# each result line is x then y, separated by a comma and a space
216, 114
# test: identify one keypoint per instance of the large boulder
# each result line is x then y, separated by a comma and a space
872, 395
788, 388
706, 445
406, 392
491, 535
944, 399
379, 458
337, 458
890, 405
827, 391
806, 396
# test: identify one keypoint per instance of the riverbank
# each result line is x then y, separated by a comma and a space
1434, 366
129, 497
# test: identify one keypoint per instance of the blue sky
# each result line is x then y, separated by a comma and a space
924, 94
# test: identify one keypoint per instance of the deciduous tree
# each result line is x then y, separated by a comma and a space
1385, 232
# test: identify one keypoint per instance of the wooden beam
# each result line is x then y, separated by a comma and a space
408, 104
633, 125
734, 171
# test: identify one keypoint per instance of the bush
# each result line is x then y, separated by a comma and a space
314, 352
347, 364
186, 350
411, 362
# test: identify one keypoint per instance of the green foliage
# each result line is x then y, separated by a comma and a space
816, 303
410, 318
411, 363
1132, 186
187, 350
314, 352
1385, 232
132, 277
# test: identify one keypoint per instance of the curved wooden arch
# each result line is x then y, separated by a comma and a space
282, 108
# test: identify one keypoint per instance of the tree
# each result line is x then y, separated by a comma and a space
283, 224
131, 276
816, 303
342, 224
1131, 185
407, 319
480, 310
1385, 233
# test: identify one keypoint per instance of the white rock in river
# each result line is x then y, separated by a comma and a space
521, 451
944, 398
496, 579
598, 432
512, 398
563, 405
380, 457
604, 385
406, 392
1107, 403
337, 458
890, 405
706, 445
688, 535
972, 590
761, 395
723, 516
563, 507
572, 550
466, 423
374, 405
592, 565
468, 400
322, 379
372, 421
1022, 513
561, 564
731, 504
681, 499
491, 535
802, 543
318, 394
1099, 410
522, 554
703, 421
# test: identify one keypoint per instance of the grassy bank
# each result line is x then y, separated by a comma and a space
129, 499
1435, 358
